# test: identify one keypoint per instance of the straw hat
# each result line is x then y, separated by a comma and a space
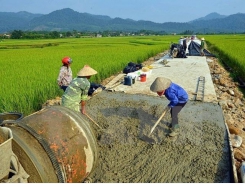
145, 69
160, 84
202, 39
86, 71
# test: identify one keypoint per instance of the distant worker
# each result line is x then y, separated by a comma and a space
202, 46
185, 44
65, 74
177, 96
181, 40
76, 93
193, 37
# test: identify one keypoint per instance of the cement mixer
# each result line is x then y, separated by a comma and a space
54, 145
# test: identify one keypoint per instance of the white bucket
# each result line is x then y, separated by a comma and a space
132, 75
147, 73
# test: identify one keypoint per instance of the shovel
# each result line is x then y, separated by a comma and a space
164, 112
101, 129
93, 121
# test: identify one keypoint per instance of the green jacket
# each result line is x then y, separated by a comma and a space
202, 44
75, 92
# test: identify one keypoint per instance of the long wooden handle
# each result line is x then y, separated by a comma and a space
93, 121
164, 112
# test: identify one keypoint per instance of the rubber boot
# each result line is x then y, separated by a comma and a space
175, 131
169, 125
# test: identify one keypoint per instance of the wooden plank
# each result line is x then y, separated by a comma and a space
115, 80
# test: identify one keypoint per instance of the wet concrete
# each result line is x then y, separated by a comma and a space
126, 154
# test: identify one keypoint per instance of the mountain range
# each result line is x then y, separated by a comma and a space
69, 20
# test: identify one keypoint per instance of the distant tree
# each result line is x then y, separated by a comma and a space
74, 32
55, 34
17, 34
187, 32
68, 34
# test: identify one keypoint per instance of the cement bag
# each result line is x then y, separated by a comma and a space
5, 151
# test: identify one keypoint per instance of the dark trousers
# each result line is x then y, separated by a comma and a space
63, 87
174, 113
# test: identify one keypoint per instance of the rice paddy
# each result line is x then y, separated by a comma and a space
29, 68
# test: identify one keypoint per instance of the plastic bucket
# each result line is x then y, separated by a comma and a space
133, 76
5, 151
142, 77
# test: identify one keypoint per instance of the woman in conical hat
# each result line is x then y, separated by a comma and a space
202, 46
77, 92
177, 96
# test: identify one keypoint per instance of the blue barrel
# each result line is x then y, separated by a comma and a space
128, 80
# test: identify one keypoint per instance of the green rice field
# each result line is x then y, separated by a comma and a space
29, 68
229, 49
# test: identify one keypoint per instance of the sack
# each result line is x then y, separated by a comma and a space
128, 69
93, 87
179, 48
139, 66
132, 67
181, 54
131, 64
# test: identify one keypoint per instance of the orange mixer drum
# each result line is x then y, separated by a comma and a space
54, 145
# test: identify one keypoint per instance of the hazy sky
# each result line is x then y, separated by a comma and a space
159, 11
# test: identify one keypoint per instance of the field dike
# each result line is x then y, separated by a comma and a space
199, 154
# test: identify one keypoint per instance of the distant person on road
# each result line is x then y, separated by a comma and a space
76, 93
193, 37
181, 40
177, 96
65, 74
185, 44
202, 46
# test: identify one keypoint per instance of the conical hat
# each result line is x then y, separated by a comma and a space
86, 71
202, 39
160, 84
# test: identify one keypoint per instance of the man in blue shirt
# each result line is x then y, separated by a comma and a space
177, 96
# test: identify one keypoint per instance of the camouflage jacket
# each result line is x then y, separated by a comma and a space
75, 92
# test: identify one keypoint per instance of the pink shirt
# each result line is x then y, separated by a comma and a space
65, 76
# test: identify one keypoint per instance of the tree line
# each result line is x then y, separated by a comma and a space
19, 34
